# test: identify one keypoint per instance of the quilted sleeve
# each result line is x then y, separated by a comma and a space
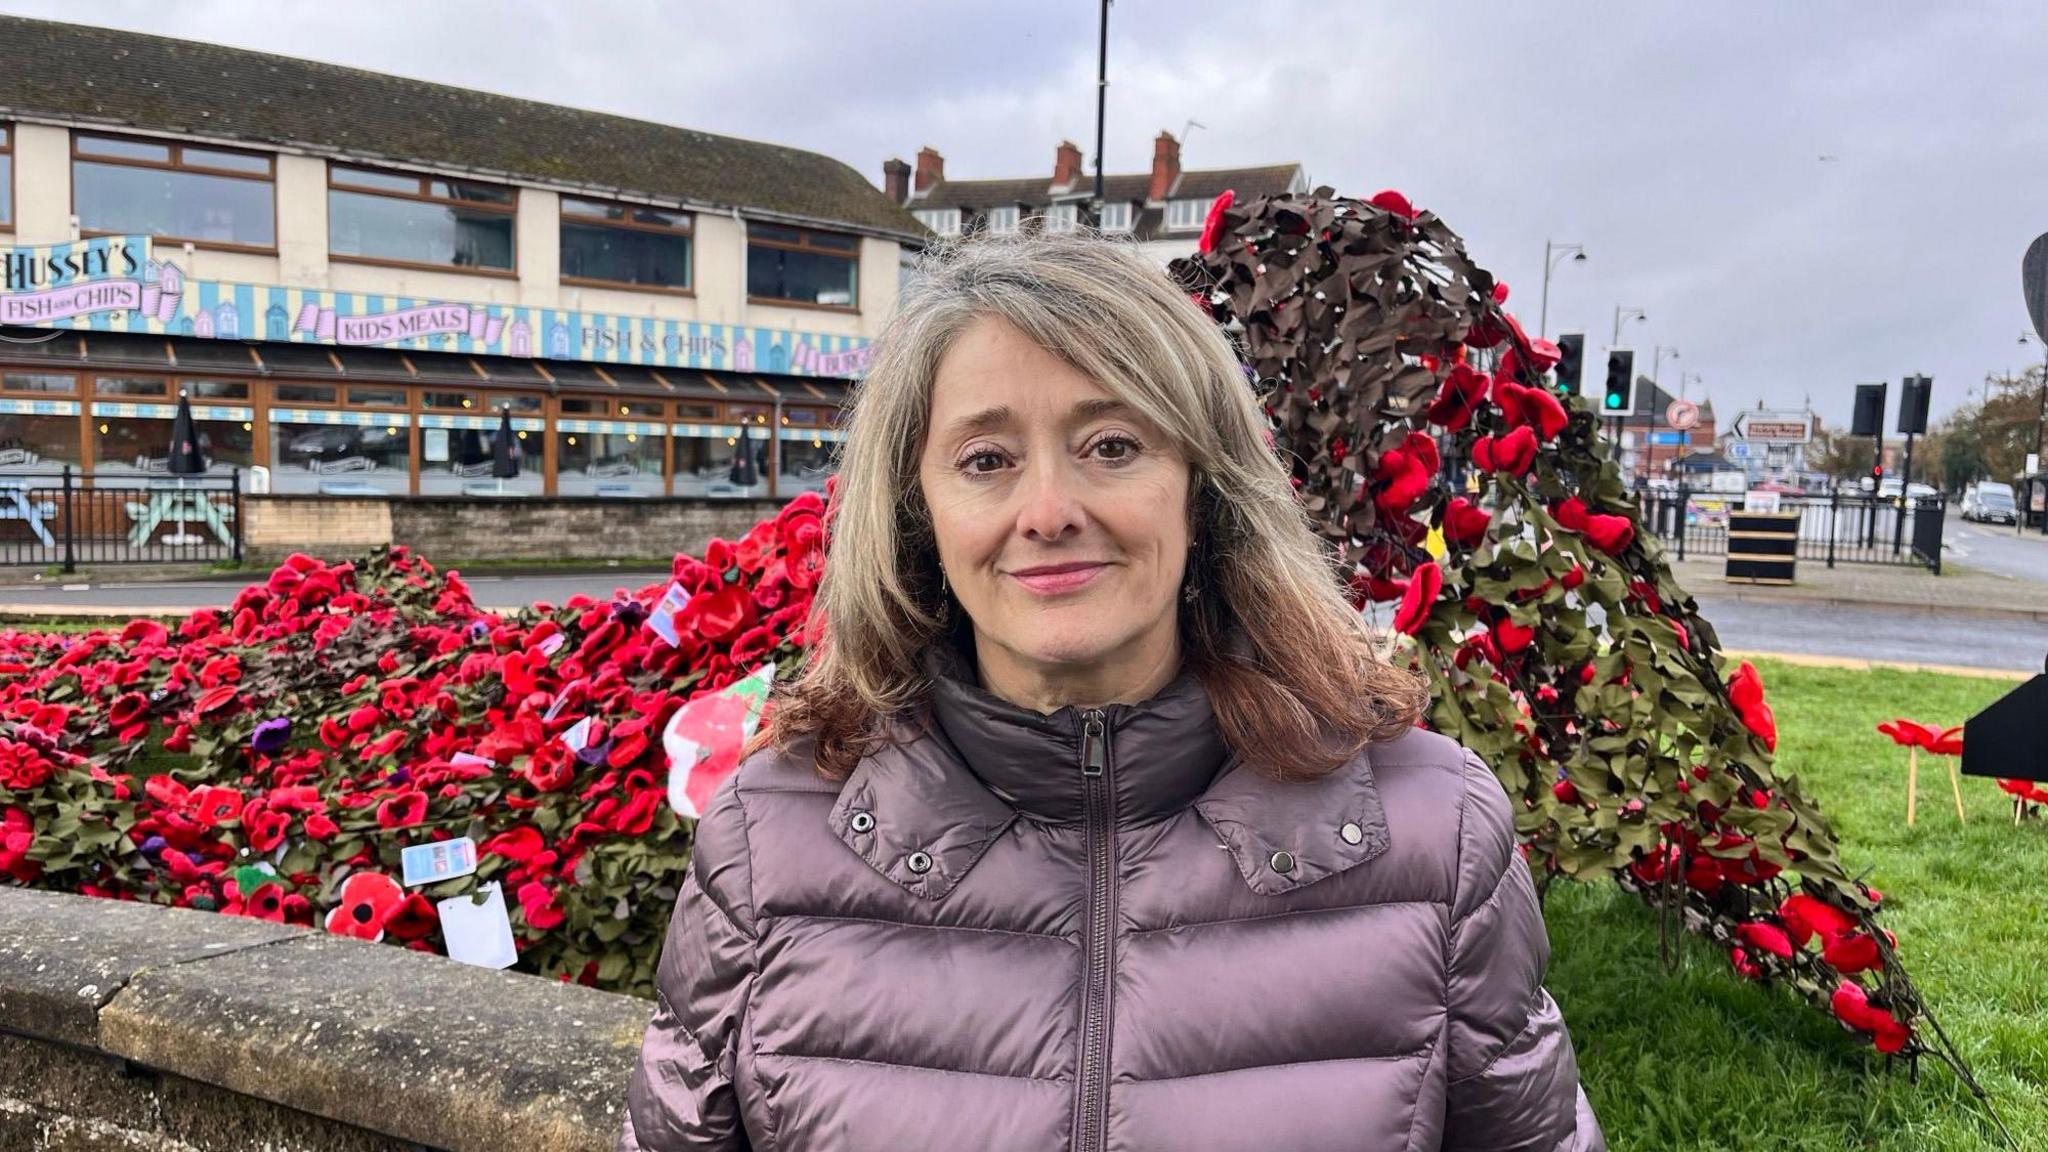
681, 1096
1514, 1082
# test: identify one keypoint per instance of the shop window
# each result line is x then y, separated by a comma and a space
133, 441
216, 389
420, 220
173, 191
40, 383
37, 437
608, 458
450, 401
360, 397
339, 453
630, 245
305, 393
721, 460
456, 455
802, 265
132, 386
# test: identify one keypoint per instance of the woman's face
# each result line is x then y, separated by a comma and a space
1061, 515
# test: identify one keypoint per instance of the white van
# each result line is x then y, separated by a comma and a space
1990, 502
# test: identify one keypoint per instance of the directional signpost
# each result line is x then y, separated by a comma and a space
1773, 426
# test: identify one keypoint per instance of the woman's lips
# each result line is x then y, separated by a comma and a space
1057, 579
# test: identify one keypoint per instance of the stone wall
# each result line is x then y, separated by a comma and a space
134, 1028
464, 530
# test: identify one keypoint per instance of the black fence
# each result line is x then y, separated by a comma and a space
67, 518
1839, 527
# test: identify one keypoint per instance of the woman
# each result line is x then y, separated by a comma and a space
1093, 821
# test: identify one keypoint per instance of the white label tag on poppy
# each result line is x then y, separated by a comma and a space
553, 644
479, 934
577, 737
438, 861
561, 702
470, 760
663, 618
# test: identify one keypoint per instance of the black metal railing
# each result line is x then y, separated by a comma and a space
1837, 527
66, 518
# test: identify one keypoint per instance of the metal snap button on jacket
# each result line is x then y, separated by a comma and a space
1351, 833
919, 862
862, 822
1283, 861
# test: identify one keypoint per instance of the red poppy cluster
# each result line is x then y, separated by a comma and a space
273, 759
1557, 644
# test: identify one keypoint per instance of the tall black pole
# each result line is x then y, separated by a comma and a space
1101, 101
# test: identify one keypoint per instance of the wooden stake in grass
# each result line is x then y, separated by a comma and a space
1912, 782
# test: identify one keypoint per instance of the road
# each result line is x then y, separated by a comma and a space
1877, 633
1743, 624
1995, 548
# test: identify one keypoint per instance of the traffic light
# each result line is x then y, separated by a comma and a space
1571, 362
1914, 393
1869, 419
1621, 375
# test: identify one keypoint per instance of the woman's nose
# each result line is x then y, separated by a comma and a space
1050, 502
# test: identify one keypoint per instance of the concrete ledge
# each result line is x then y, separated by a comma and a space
353, 1045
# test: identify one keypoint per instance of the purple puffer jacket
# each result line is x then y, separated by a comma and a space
1094, 930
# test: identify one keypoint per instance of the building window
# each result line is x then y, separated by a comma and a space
173, 191
38, 436
724, 459
40, 383
340, 453
625, 244
1002, 221
134, 440
298, 393
807, 451
132, 386
609, 457
944, 221
1060, 218
429, 221
457, 454
1182, 214
803, 265
216, 389
1116, 216
6, 176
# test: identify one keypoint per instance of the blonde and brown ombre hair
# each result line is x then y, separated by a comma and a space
1288, 664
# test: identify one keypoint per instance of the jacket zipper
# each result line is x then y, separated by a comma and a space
1097, 802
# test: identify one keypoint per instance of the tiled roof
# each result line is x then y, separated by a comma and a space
126, 79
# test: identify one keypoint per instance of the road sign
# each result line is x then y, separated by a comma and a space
1672, 439
1738, 450
1773, 426
1682, 414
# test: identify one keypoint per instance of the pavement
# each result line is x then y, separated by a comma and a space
89, 600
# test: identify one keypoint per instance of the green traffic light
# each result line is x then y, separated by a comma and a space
1613, 401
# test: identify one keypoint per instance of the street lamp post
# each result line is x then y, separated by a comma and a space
1657, 357
1552, 253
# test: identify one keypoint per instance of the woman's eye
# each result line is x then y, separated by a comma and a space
1116, 448
984, 462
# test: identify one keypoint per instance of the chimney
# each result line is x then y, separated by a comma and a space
931, 168
1066, 165
896, 180
1165, 166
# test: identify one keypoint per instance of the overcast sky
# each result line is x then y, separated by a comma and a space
1802, 195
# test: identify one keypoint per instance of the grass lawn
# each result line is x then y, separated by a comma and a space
1704, 1060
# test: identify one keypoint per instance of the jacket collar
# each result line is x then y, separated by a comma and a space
922, 811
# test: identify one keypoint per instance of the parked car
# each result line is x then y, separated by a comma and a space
1921, 493
1989, 502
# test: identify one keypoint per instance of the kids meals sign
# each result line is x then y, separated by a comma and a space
118, 284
